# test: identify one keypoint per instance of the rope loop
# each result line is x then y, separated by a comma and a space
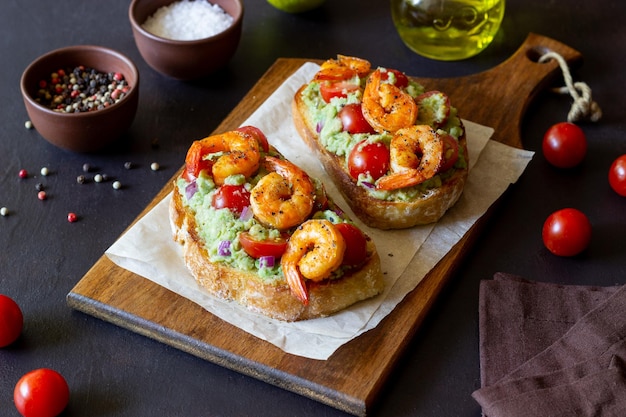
583, 106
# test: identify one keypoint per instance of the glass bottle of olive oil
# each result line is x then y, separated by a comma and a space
447, 30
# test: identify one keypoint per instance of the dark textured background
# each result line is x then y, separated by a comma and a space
114, 372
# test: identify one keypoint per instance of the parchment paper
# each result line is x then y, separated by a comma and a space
148, 249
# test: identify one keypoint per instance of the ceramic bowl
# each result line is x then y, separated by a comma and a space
86, 131
185, 59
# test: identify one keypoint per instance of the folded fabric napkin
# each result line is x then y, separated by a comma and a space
551, 350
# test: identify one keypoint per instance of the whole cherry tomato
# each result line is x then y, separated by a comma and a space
617, 175
233, 197
352, 119
11, 321
41, 393
260, 248
566, 232
564, 145
356, 245
372, 158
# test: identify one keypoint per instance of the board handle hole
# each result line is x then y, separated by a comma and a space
536, 52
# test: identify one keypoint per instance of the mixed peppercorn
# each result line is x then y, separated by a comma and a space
81, 89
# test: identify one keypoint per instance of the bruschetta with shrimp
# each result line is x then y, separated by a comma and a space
396, 151
257, 229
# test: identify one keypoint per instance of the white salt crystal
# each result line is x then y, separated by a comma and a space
187, 20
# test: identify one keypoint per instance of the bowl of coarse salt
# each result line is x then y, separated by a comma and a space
186, 39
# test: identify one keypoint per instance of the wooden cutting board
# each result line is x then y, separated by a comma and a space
353, 376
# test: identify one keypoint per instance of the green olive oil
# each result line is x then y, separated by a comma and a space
447, 30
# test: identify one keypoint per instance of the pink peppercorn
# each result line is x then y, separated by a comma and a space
41, 195
72, 217
23, 173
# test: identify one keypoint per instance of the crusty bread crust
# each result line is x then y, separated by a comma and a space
273, 300
373, 212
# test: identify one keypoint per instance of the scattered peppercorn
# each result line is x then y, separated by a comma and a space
86, 167
128, 165
97, 178
28, 124
23, 173
4, 211
154, 166
72, 217
81, 89
39, 186
41, 195
81, 179
117, 185
45, 171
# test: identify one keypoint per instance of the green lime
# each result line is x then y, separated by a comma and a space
295, 6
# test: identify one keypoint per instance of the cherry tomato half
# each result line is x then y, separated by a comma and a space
356, 244
41, 393
450, 153
617, 175
372, 158
11, 321
566, 232
260, 248
233, 197
352, 119
329, 90
564, 145
256, 133
401, 80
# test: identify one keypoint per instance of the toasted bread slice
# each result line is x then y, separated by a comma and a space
425, 208
272, 298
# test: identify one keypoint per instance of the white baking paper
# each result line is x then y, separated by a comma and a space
148, 249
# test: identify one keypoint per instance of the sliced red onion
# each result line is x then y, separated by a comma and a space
246, 214
191, 189
224, 248
368, 184
318, 127
266, 261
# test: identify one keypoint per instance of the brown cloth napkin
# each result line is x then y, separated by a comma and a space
551, 350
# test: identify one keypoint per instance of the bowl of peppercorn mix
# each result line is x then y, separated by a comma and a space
184, 39
81, 98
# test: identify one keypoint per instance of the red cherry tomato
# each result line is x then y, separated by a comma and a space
617, 175
356, 244
41, 393
329, 90
450, 153
564, 145
372, 158
260, 248
258, 135
402, 81
233, 197
566, 232
352, 119
11, 321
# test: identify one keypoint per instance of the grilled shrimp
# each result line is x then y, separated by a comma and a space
387, 107
415, 155
241, 155
284, 198
343, 68
313, 252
